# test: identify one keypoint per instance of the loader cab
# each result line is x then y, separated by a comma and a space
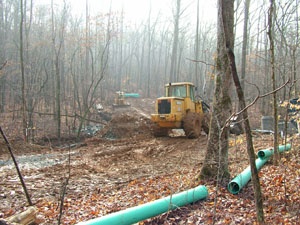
180, 90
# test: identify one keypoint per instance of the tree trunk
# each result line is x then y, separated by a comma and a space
24, 119
272, 57
121, 47
3, 91
250, 148
197, 49
2, 58
216, 158
296, 45
173, 72
245, 43
149, 66
57, 43
57, 97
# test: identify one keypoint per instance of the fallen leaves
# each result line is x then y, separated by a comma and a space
120, 181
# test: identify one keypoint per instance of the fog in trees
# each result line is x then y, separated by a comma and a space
72, 61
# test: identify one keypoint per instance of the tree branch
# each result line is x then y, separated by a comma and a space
264, 95
3, 65
228, 121
17, 167
194, 60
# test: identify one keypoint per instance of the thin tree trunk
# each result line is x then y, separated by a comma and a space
295, 49
88, 72
250, 148
120, 66
173, 72
16, 165
245, 43
197, 48
272, 54
24, 119
58, 90
3, 38
149, 53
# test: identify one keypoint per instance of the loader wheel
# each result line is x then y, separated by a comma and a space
159, 131
192, 125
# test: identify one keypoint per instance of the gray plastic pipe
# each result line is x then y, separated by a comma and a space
243, 178
141, 212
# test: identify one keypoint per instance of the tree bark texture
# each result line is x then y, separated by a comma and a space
24, 218
174, 57
216, 158
272, 58
24, 119
245, 43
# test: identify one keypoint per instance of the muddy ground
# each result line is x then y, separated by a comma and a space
121, 166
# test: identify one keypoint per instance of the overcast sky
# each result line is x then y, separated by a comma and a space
138, 10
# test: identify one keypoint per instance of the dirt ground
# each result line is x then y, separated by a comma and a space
123, 165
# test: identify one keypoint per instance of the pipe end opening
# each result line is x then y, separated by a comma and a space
261, 154
233, 187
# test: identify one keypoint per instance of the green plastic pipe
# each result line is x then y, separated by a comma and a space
141, 212
243, 178
267, 153
131, 95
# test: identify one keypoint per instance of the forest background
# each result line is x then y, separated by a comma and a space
59, 62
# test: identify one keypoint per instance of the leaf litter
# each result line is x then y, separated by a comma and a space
133, 168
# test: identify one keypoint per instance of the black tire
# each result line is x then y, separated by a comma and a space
192, 125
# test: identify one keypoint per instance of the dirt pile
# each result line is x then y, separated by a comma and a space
126, 125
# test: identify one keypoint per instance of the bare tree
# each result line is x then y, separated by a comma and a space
86, 99
250, 148
145, 53
58, 32
273, 77
245, 43
149, 61
151, 49
174, 56
216, 157
197, 46
24, 118
287, 26
3, 60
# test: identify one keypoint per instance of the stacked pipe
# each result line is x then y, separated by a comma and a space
243, 178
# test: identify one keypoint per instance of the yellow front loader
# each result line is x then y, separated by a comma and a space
180, 109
